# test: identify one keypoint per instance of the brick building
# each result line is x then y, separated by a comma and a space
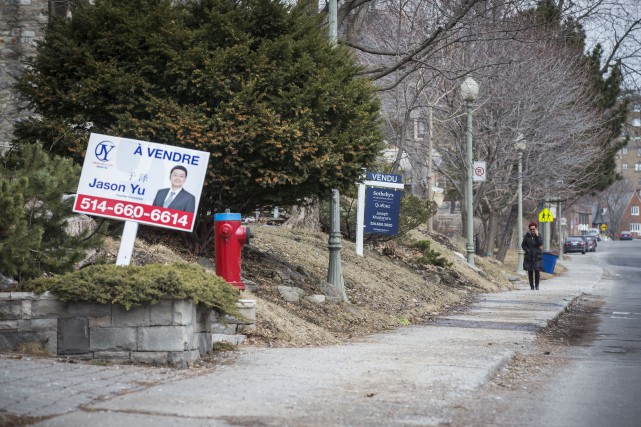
631, 218
629, 157
21, 24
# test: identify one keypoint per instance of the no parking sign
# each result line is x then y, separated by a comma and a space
479, 171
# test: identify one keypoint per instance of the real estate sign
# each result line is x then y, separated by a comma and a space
141, 181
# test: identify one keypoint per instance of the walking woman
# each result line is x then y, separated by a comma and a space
533, 258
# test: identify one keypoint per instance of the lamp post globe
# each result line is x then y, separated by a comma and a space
469, 89
519, 146
469, 93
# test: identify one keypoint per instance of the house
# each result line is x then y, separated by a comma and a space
631, 217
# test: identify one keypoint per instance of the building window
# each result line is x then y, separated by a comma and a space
624, 166
584, 218
636, 108
636, 227
634, 210
639, 182
636, 122
624, 151
419, 129
637, 167
638, 152
59, 8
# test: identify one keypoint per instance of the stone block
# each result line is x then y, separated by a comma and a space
100, 322
88, 309
136, 316
183, 359
184, 312
10, 340
232, 339
219, 328
161, 314
203, 342
246, 304
46, 295
10, 310
44, 325
5, 296
18, 296
112, 355
204, 318
73, 335
113, 339
24, 325
150, 357
247, 310
42, 308
50, 340
25, 312
8, 325
165, 338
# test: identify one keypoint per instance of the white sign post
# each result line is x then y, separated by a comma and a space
140, 182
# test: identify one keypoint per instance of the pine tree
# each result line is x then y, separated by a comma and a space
33, 224
255, 83
606, 87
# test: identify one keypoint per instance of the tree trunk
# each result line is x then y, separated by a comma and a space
508, 231
491, 234
306, 216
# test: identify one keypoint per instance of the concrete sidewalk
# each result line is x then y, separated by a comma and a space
407, 377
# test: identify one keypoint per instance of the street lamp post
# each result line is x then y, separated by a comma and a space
519, 145
469, 93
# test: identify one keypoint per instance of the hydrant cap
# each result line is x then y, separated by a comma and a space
227, 217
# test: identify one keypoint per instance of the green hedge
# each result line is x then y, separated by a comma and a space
133, 286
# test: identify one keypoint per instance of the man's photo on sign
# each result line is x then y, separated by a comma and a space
176, 197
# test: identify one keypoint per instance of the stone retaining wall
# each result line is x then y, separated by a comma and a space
175, 332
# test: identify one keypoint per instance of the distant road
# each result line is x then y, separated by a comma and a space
602, 384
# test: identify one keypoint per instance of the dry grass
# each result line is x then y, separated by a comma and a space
35, 348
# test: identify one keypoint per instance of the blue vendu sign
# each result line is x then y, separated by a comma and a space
379, 203
382, 204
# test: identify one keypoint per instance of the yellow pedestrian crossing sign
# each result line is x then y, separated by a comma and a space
546, 216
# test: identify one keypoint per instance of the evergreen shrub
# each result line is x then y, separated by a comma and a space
430, 256
133, 286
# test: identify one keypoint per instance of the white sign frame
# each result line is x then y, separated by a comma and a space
129, 180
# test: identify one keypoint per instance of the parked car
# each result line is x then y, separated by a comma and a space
594, 232
591, 241
625, 235
574, 244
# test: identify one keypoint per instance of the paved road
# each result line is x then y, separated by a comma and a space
601, 386
408, 377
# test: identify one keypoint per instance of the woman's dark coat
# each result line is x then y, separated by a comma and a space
533, 257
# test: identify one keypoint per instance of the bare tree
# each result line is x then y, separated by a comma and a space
615, 200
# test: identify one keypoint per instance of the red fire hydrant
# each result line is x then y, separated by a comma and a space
229, 237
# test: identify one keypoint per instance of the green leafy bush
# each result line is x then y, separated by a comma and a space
133, 286
430, 256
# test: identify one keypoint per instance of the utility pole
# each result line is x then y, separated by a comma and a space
334, 270
333, 21
430, 191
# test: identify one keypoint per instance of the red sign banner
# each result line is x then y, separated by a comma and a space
132, 211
